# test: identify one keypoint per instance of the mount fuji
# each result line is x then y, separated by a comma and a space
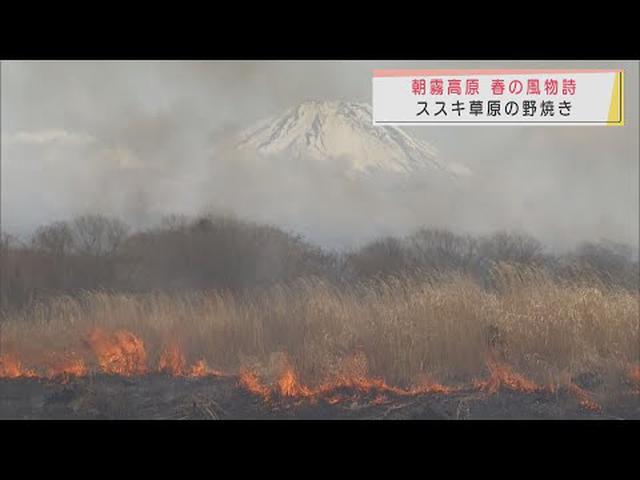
328, 131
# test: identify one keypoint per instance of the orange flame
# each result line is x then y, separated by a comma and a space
583, 398
119, 353
365, 385
288, 385
429, 386
503, 376
11, 367
200, 369
250, 381
380, 399
343, 387
634, 375
122, 353
172, 361
63, 369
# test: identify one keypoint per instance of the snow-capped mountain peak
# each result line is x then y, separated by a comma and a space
325, 130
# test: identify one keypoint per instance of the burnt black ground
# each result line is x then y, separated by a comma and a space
214, 398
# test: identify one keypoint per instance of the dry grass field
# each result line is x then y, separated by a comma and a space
402, 336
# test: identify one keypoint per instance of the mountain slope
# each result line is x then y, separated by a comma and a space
325, 131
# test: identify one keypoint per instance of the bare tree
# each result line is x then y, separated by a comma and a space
442, 249
175, 222
98, 235
56, 239
613, 263
511, 247
384, 256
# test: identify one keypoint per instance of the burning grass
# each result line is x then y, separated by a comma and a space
312, 340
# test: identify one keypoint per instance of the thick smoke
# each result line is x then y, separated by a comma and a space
143, 139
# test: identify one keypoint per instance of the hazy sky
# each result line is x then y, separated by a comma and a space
135, 139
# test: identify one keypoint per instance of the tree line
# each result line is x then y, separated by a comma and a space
96, 252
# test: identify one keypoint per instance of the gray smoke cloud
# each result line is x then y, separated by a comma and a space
142, 139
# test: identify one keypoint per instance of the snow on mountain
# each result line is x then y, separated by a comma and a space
325, 131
